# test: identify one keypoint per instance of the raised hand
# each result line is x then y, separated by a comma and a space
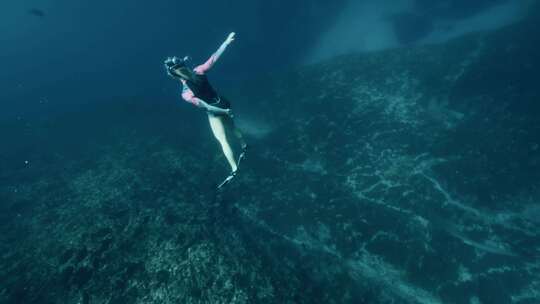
230, 38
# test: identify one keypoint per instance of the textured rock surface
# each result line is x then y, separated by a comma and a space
407, 176
418, 171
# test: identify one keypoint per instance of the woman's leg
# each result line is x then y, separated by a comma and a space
236, 131
216, 123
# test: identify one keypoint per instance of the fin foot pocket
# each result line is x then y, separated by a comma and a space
228, 179
242, 154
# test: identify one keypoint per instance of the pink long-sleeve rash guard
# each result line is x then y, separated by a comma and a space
187, 93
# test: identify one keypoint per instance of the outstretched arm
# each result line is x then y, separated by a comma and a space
201, 69
188, 96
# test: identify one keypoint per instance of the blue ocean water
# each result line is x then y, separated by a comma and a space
393, 153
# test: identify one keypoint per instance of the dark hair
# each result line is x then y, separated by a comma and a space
191, 75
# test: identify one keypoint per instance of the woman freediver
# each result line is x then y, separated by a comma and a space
196, 89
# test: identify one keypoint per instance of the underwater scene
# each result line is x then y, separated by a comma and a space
346, 151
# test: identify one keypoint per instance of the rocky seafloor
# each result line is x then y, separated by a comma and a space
402, 176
